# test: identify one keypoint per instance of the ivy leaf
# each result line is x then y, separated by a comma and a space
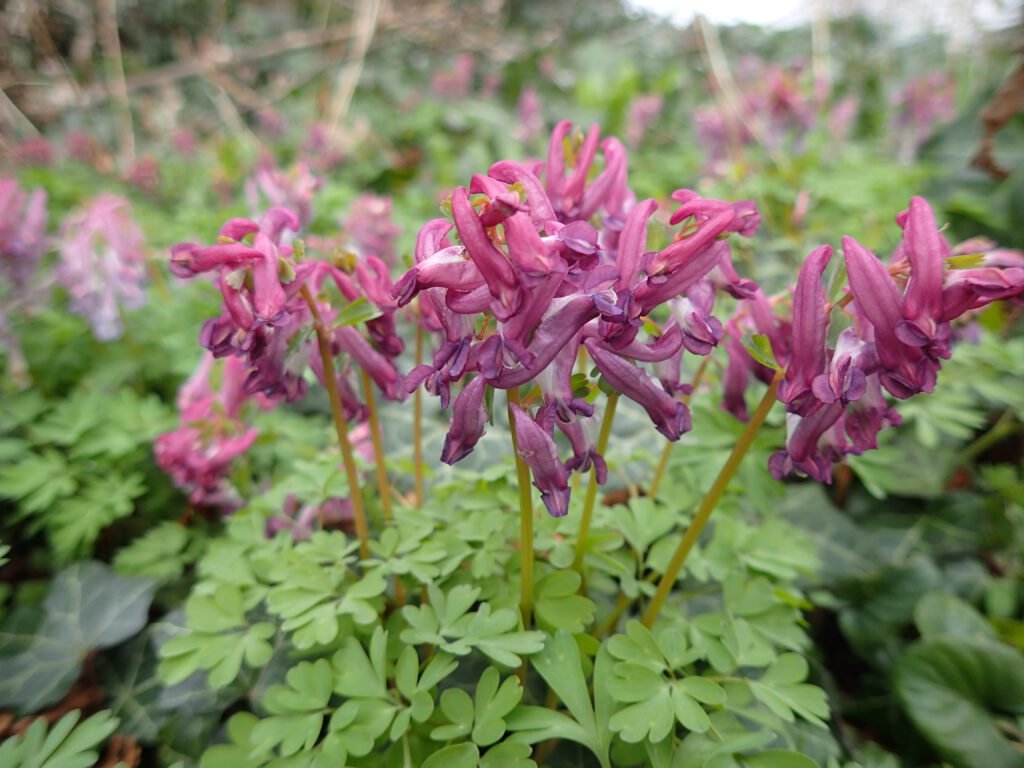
557, 604
87, 607
937, 614
952, 688
66, 744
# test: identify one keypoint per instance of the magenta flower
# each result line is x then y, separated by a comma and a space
102, 264
199, 454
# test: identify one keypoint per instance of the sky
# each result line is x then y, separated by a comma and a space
960, 17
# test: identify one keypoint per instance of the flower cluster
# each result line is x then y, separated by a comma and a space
899, 332
773, 106
552, 260
103, 263
266, 316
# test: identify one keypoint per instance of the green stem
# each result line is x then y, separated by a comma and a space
591, 497
1004, 427
659, 473
710, 501
417, 422
340, 424
525, 519
383, 486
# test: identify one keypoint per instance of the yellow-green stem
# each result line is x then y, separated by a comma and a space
710, 501
659, 473
340, 424
525, 519
591, 497
417, 422
383, 486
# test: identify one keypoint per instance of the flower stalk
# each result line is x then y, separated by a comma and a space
340, 423
710, 501
666, 452
383, 486
525, 519
417, 423
591, 498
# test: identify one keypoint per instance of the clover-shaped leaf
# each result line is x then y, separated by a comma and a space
447, 623
782, 690
220, 640
557, 604
297, 710
482, 718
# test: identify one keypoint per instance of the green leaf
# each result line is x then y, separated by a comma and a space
447, 623
492, 704
37, 481
508, 754
356, 313
561, 666
158, 554
760, 348
455, 756
68, 744
77, 522
954, 690
651, 719
777, 758
781, 690
87, 607
297, 709
457, 706
558, 606
354, 674
938, 613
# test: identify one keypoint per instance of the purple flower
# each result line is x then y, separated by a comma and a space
102, 264
469, 420
537, 449
671, 417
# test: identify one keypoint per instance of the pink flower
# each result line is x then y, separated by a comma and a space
102, 263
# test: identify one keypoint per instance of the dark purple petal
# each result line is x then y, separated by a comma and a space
670, 416
469, 419
539, 452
